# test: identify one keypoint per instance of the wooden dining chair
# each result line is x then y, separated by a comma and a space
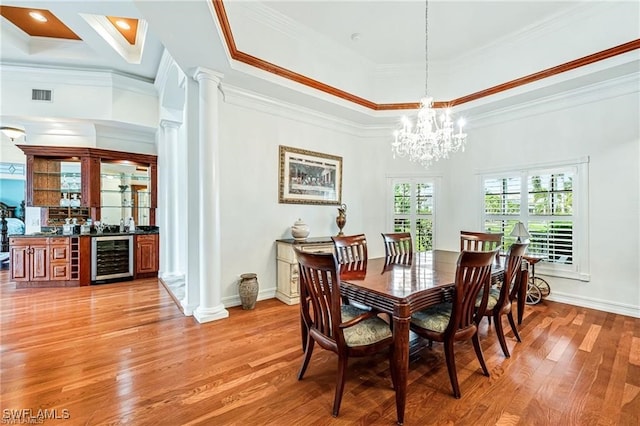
398, 247
480, 241
456, 319
500, 298
351, 248
343, 329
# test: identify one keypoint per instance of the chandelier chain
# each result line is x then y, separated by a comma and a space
426, 48
433, 137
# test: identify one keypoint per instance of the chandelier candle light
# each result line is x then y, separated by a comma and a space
432, 138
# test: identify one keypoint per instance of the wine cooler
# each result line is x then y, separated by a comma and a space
111, 258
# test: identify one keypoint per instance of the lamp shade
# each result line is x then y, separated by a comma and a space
520, 231
12, 132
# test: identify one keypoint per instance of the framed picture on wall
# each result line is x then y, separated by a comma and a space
308, 177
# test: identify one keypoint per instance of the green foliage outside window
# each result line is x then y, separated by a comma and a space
549, 198
413, 212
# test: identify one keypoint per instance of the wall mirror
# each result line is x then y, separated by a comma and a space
125, 191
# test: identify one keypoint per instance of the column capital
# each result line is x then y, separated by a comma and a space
164, 123
202, 73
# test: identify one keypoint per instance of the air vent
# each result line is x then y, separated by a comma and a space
41, 95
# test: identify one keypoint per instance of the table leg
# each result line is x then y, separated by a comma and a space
522, 293
401, 357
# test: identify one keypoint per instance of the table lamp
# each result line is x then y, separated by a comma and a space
520, 231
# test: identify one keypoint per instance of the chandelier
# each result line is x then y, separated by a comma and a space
434, 136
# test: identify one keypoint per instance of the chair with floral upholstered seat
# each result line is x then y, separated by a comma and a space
398, 247
340, 328
500, 298
350, 248
480, 241
455, 319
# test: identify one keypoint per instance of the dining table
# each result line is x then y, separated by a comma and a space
400, 288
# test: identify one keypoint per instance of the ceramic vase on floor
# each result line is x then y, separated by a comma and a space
248, 290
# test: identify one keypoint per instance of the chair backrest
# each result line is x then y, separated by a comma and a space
320, 287
512, 268
397, 243
480, 241
351, 248
473, 272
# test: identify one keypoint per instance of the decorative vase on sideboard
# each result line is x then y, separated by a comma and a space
341, 220
248, 290
300, 230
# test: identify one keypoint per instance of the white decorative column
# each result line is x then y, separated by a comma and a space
170, 190
163, 200
191, 195
210, 258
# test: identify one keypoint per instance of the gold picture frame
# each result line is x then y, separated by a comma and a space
308, 177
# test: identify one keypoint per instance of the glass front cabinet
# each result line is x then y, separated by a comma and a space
92, 183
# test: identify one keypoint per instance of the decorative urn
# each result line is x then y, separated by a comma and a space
341, 220
300, 230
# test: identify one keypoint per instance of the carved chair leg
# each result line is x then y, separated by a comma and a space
500, 333
478, 349
342, 372
512, 322
307, 356
451, 367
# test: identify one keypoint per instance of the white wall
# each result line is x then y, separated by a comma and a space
603, 127
606, 129
251, 217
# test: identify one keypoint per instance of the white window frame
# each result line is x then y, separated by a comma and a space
413, 180
579, 269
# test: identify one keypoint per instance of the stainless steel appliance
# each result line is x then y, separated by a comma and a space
111, 258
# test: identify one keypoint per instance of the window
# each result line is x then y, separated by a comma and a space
413, 210
547, 201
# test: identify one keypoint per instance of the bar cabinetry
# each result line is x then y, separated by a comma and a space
288, 290
92, 183
147, 262
60, 259
29, 259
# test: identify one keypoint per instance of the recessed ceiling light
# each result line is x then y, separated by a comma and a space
123, 25
38, 16
355, 36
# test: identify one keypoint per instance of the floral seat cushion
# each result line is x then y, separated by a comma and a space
492, 301
435, 318
369, 331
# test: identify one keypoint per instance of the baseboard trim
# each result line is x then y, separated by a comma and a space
597, 304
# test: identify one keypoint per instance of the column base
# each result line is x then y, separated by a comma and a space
187, 309
203, 315
172, 277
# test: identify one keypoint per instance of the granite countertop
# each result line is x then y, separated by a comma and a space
311, 240
141, 231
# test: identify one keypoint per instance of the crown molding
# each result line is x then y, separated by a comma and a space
237, 96
490, 113
48, 75
240, 56
584, 94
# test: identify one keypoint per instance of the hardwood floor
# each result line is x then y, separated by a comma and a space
124, 354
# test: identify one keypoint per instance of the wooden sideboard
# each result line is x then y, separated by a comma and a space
288, 290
